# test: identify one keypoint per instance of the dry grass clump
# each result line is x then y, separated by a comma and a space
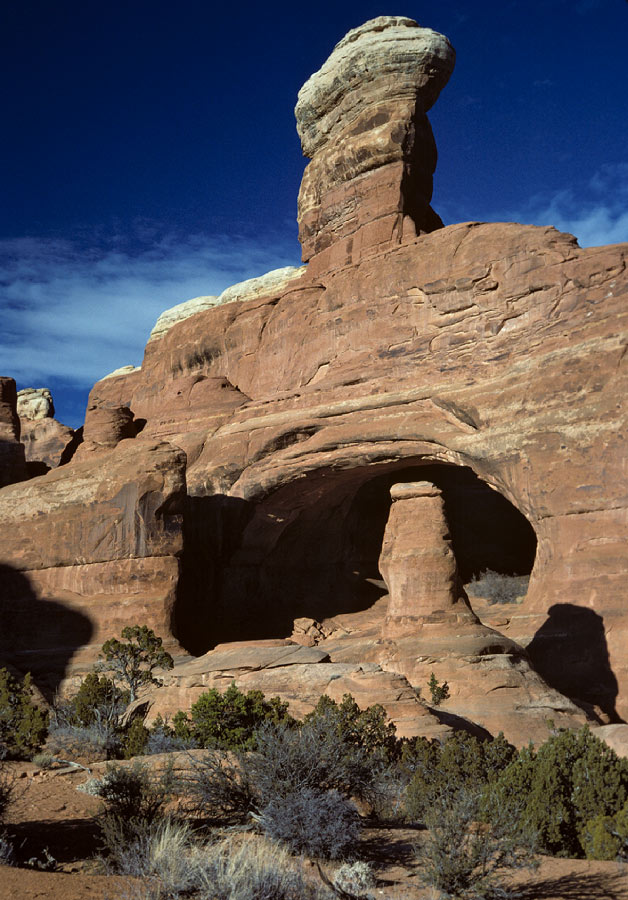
239, 867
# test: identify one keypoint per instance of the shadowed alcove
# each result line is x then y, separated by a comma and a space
311, 548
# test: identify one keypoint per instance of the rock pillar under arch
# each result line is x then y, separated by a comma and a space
418, 563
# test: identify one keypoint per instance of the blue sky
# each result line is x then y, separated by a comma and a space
150, 152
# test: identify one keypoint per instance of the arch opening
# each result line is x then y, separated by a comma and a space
310, 550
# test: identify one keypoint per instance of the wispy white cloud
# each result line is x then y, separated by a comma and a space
73, 312
595, 211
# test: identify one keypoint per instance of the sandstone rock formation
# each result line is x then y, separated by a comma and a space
86, 550
47, 443
12, 464
236, 487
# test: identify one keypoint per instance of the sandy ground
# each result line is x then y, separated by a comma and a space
50, 813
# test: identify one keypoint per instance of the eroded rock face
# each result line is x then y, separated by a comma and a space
86, 553
362, 122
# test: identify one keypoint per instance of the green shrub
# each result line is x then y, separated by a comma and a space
23, 726
438, 691
229, 720
462, 762
369, 729
571, 779
606, 837
97, 701
135, 738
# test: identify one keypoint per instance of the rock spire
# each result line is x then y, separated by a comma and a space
362, 122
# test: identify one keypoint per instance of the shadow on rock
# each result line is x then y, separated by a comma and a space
570, 652
37, 635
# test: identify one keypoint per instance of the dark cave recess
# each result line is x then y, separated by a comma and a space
311, 548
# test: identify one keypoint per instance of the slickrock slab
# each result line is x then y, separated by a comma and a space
298, 675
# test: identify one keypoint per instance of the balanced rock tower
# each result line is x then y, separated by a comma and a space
362, 122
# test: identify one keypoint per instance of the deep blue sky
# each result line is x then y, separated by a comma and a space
150, 153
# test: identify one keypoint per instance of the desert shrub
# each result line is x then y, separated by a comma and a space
218, 787
442, 770
163, 739
229, 720
44, 760
7, 788
498, 588
463, 858
160, 850
319, 823
571, 779
606, 837
387, 795
314, 756
355, 879
134, 738
97, 701
23, 726
368, 729
98, 741
135, 802
86, 725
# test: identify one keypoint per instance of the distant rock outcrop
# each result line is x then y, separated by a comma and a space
237, 486
47, 443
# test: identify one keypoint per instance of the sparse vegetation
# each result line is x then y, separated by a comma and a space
496, 587
463, 858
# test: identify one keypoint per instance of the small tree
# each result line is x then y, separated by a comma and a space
438, 692
23, 726
134, 660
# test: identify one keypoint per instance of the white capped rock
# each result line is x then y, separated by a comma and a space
276, 279
123, 370
35, 403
